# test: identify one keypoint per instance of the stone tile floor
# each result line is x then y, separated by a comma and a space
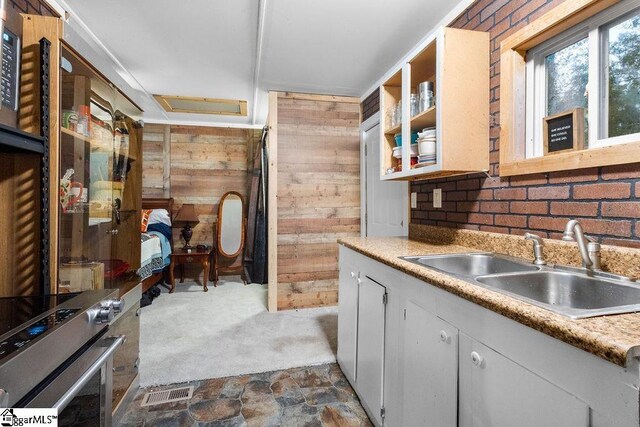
308, 396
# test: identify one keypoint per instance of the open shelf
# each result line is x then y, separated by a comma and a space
424, 120
392, 131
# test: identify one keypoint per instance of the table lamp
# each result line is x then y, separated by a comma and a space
187, 214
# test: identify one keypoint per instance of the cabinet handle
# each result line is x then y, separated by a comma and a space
476, 358
444, 337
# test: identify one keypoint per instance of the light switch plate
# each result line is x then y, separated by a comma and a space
414, 200
437, 198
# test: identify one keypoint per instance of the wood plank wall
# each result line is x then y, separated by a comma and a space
196, 164
318, 194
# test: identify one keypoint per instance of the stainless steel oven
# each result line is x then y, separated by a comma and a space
63, 357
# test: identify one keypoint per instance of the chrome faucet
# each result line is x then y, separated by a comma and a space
589, 249
538, 247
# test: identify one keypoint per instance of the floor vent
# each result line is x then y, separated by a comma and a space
167, 396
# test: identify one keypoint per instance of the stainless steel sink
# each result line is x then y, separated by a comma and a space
571, 294
472, 264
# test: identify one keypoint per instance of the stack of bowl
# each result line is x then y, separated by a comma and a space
427, 146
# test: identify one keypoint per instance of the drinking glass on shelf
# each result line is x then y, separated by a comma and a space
413, 103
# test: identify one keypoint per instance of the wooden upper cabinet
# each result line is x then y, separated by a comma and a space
457, 63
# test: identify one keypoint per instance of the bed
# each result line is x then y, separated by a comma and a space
156, 246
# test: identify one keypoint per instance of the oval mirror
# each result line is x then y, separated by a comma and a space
230, 222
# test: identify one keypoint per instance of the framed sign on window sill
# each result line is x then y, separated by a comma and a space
563, 132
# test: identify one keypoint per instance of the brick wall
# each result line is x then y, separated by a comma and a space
604, 199
370, 105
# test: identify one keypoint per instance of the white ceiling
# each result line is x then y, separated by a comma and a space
215, 49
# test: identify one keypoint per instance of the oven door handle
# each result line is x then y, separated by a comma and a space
88, 374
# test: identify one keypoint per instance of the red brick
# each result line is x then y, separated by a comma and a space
449, 206
580, 175
456, 217
621, 209
437, 215
494, 207
631, 170
549, 192
574, 208
547, 223
455, 195
536, 179
495, 182
468, 206
511, 194
526, 9
507, 10
480, 195
522, 231
492, 8
500, 27
613, 190
607, 227
637, 189
481, 218
529, 208
511, 220
469, 184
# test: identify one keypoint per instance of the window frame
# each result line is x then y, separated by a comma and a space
512, 117
594, 30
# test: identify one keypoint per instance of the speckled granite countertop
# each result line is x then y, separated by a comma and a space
614, 338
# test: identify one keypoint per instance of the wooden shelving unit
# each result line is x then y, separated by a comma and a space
457, 62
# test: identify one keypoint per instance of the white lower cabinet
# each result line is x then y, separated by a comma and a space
430, 369
496, 391
430, 358
348, 318
370, 351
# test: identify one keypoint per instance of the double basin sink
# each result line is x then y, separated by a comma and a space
564, 290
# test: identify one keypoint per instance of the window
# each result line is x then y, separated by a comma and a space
595, 66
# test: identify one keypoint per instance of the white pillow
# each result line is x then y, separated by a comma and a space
160, 216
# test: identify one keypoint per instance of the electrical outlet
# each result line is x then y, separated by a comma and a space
414, 200
437, 198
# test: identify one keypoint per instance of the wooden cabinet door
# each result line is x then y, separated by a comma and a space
495, 391
370, 350
349, 280
430, 369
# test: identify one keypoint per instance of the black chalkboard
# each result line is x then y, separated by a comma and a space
560, 133
564, 131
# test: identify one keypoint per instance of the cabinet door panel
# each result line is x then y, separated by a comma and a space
430, 360
370, 354
495, 391
348, 318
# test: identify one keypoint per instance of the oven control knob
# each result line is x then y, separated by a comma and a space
116, 304
104, 315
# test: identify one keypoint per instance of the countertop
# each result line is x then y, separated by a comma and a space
615, 338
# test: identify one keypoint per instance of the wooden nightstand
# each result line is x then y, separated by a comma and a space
181, 258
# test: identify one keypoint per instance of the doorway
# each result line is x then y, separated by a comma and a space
385, 204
